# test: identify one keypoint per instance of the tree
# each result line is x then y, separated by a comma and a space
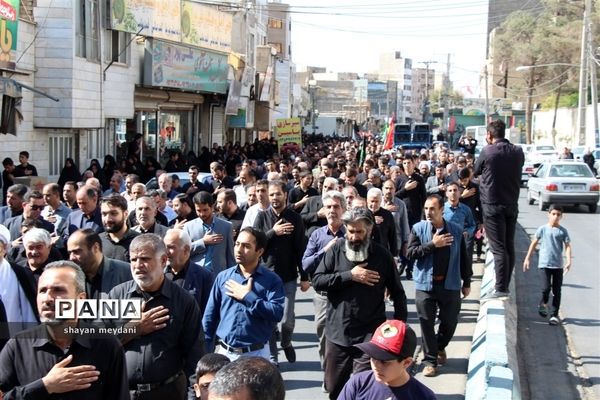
436, 99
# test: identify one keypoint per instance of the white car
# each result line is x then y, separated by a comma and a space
564, 182
542, 152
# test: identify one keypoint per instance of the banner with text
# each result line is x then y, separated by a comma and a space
181, 67
289, 133
205, 26
9, 24
158, 18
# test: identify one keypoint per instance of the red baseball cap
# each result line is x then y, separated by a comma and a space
393, 340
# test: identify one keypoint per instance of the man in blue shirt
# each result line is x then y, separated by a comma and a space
460, 214
319, 242
245, 303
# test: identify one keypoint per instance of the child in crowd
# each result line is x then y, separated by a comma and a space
552, 238
206, 369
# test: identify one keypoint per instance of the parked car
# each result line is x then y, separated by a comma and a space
527, 170
526, 148
542, 152
563, 182
183, 179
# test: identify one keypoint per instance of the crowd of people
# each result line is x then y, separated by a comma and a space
217, 263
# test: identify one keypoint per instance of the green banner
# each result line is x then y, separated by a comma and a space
9, 23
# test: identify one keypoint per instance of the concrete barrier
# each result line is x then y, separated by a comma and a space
493, 366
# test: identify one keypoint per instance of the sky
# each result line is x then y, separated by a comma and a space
349, 35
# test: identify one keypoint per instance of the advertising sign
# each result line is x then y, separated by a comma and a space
171, 65
9, 23
289, 133
205, 26
158, 18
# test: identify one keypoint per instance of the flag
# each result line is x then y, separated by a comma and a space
389, 138
363, 149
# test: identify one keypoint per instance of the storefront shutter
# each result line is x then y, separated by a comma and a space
217, 129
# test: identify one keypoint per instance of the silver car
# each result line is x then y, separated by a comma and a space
565, 183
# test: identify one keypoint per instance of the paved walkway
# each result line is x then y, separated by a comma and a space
303, 379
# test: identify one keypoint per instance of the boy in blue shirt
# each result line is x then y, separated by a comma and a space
552, 238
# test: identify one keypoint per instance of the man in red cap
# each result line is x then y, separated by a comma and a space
391, 350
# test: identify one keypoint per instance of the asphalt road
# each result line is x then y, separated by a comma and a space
580, 309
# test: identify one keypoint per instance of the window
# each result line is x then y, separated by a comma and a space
275, 23
87, 29
118, 46
59, 148
96, 143
276, 46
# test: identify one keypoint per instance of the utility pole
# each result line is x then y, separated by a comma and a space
487, 95
593, 86
583, 74
446, 97
426, 87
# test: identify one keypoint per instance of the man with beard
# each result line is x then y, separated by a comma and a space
438, 248
355, 272
38, 251
262, 194
167, 342
69, 192
283, 254
14, 201
437, 184
299, 195
101, 273
313, 213
45, 362
33, 204
145, 214
184, 208
245, 303
398, 210
319, 242
116, 236
229, 211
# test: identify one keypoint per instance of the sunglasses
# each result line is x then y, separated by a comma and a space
38, 208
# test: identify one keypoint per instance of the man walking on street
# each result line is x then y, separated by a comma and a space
283, 254
355, 272
499, 165
439, 251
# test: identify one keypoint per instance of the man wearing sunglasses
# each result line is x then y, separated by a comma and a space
33, 204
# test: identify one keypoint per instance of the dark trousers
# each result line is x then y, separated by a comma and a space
500, 222
341, 362
176, 390
552, 278
428, 304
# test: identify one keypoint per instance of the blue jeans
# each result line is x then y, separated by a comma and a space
287, 322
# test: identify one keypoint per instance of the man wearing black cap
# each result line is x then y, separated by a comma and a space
391, 350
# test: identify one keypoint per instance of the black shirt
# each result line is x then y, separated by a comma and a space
473, 202
500, 165
441, 256
179, 277
296, 194
31, 355
93, 287
160, 355
283, 253
236, 220
117, 250
354, 309
386, 231
28, 170
414, 199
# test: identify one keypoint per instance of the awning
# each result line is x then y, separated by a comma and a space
10, 87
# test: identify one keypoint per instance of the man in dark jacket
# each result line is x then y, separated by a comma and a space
499, 166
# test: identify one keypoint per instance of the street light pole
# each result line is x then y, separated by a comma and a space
583, 75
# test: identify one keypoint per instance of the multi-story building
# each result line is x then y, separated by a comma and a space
394, 67
423, 80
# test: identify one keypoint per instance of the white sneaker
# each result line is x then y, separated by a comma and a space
554, 320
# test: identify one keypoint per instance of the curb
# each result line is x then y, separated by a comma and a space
493, 366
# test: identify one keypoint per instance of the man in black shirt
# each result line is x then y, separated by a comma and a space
355, 272
44, 362
7, 177
439, 251
25, 169
229, 211
298, 196
163, 352
499, 166
286, 244
384, 221
116, 236
101, 273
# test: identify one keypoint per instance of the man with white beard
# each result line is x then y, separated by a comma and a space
355, 272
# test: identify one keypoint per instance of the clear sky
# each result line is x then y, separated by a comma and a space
349, 35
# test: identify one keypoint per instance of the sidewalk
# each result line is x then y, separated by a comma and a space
303, 379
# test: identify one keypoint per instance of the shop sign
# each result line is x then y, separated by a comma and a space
9, 23
157, 18
206, 27
289, 132
186, 68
